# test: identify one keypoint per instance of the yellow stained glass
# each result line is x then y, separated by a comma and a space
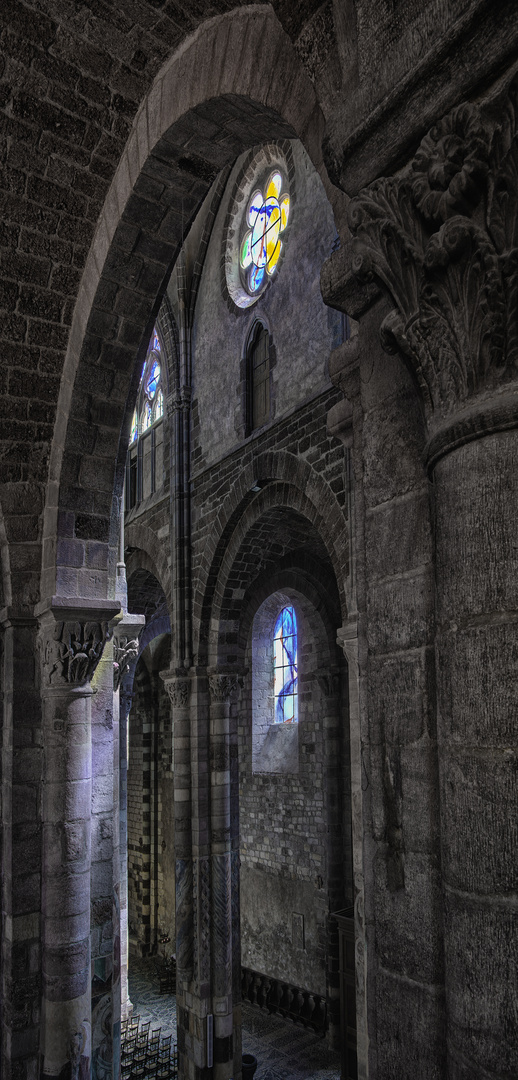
266, 217
285, 210
274, 186
274, 258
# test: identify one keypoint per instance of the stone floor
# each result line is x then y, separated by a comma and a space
284, 1051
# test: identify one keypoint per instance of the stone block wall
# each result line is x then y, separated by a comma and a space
284, 856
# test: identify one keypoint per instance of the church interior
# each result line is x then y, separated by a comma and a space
259, 558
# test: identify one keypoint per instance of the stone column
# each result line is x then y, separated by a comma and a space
347, 638
441, 238
178, 690
343, 420
221, 688
125, 652
72, 637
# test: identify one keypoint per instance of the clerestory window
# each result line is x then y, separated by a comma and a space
143, 471
258, 378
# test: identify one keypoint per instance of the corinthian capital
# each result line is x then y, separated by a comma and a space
222, 686
72, 637
442, 239
178, 689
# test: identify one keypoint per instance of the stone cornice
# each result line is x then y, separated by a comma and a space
451, 69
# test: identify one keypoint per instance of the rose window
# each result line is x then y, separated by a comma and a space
265, 221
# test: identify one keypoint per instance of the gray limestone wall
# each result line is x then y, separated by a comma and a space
300, 325
285, 857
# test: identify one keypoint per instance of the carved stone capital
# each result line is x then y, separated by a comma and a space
126, 645
441, 238
222, 686
125, 650
71, 639
178, 690
179, 399
328, 681
347, 639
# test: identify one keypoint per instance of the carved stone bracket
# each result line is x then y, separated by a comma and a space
222, 686
442, 239
71, 639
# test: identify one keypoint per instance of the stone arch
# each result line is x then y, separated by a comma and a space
282, 766
147, 553
217, 95
283, 481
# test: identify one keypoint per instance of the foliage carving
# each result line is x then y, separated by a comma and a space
442, 239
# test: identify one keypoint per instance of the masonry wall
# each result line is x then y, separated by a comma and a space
302, 330
285, 843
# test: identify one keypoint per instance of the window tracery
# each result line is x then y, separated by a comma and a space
265, 219
150, 401
143, 473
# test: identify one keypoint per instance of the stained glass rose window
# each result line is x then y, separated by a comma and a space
259, 221
265, 220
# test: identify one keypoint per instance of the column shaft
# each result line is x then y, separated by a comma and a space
477, 649
66, 1021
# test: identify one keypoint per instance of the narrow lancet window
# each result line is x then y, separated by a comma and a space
285, 667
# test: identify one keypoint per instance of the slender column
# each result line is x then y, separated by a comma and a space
125, 652
72, 638
178, 690
344, 371
221, 687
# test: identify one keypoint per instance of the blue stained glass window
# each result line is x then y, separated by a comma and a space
153, 380
285, 667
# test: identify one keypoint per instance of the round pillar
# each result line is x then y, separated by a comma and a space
125, 646
221, 688
71, 644
476, 495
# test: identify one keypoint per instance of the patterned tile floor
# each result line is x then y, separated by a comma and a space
284, 1051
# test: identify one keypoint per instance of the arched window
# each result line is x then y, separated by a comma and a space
143, 472
258, 378
285, 667
150, 400
275, 645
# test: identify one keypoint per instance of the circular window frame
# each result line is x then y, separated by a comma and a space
258, 167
